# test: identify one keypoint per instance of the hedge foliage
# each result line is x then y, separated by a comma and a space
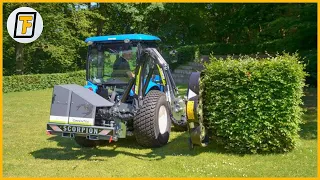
253, 106
189, 53
18, 83
223, 49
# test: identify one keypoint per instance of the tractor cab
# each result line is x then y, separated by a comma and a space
112, 62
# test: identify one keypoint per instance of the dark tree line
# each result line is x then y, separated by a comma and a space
61, 46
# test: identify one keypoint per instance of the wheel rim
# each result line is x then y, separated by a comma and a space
162, 119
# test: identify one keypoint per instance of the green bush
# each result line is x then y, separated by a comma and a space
253, 106
18, 83
278, 45
272, 47
225, 49
186, 54
309, 57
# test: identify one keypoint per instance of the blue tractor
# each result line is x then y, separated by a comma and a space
129, 91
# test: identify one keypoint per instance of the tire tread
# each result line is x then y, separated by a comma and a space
143, 122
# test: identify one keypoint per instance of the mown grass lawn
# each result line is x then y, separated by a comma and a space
29, 152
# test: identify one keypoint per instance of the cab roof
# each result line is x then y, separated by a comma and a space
122, 37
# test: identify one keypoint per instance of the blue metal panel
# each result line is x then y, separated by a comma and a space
153, 83
131, 93
92, 86
122, 37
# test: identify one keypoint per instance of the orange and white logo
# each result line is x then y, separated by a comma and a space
25, 25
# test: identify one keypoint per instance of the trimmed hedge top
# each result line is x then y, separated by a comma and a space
18, 83
186, 54
253, 106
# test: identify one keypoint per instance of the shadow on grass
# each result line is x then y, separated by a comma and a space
69, 150
309, 126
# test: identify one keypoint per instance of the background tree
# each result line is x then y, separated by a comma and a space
61, 46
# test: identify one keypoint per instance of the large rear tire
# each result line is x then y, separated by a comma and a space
152, 124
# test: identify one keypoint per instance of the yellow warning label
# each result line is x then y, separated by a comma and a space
136, 88
190, 110
162, 75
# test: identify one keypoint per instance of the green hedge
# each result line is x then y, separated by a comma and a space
18, 83
224, 49
188, 53
253, 106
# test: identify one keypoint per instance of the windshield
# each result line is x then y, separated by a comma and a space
111, 63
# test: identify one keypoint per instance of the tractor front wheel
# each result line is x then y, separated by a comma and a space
152, 123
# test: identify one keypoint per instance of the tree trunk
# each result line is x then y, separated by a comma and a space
19, 58
100, 27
